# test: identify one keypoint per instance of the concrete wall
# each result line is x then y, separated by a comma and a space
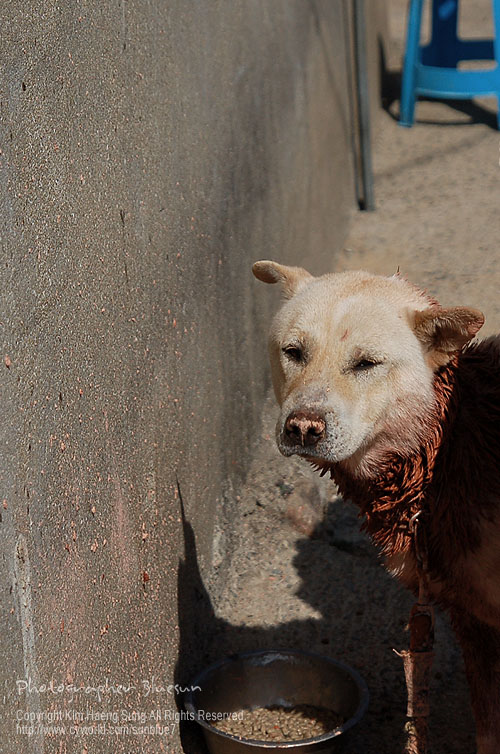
150, 151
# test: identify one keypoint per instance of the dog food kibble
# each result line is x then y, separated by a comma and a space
277, 723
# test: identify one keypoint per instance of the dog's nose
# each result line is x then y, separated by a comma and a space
304, 428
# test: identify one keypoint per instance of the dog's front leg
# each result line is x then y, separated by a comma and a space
481, 650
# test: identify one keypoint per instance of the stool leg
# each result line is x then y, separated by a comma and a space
496, 48
412, 58
443, 49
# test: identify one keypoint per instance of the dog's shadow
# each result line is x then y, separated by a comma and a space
363, 617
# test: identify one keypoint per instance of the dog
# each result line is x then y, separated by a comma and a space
387, 391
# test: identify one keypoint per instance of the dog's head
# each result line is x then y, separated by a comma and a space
353, 357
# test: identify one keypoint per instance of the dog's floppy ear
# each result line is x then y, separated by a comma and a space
443, 332
291, 278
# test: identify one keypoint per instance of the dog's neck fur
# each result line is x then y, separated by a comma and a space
433, 479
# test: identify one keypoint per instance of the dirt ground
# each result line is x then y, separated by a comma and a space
300, 572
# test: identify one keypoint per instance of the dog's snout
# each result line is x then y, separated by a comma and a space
305, 428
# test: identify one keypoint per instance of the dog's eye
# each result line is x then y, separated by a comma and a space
294, 353
364, 364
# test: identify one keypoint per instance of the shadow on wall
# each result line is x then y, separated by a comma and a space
204, 637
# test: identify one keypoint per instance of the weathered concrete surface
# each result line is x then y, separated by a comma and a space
149, 152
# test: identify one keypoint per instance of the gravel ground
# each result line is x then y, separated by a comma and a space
300, 574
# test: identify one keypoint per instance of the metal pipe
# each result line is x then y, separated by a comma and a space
363, 98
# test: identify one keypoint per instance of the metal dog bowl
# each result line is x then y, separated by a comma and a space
283, 677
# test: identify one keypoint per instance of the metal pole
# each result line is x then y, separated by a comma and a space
363, 97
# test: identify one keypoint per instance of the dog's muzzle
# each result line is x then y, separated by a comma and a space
304, 429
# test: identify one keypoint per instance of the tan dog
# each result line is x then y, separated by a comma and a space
378, 385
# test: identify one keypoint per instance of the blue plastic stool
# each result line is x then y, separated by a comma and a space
431, 71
